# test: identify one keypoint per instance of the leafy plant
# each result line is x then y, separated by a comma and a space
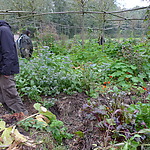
78, 69
128, 124
141, 112
125, 75
48, 102
46, 121
31, 123
46, 75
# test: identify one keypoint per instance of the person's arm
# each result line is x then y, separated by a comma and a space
8, 50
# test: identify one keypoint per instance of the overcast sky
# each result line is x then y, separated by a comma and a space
132, 3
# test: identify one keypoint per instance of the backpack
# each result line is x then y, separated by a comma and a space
24, 46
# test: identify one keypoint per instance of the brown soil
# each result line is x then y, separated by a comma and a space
68, 109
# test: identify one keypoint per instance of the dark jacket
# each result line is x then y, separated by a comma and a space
9, 64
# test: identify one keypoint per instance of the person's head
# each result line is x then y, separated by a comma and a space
27, 32
4, 23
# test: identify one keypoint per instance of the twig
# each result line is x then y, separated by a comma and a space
30, 116
24, 119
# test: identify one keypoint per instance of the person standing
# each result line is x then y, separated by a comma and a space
101, 40
24, 45
9, 66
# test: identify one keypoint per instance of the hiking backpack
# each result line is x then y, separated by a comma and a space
24, 46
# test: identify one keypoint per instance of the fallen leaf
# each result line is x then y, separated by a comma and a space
7, 138
39, 118
44, 118
19, 137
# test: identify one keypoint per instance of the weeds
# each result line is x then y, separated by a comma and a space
46, 121
126, 123
118, 71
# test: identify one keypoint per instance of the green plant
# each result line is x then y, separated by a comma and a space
133, 52
31, 123
48, 102
128, 124
125, 75
47, 74
141, 113
46, 140
50, 124
78, 69
131, 143
58, 131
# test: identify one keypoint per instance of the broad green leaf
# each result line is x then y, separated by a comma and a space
127, 70
135, 136
56, 124
37, 106
116, 74
124, 84
133, 67
121, 78
32, 82
142, 75
2, 125
43, 111
134, 145
49, 115
135, 79
115, 89
144, 131
128, 76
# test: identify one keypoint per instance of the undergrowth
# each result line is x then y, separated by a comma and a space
117, 70
84, 69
